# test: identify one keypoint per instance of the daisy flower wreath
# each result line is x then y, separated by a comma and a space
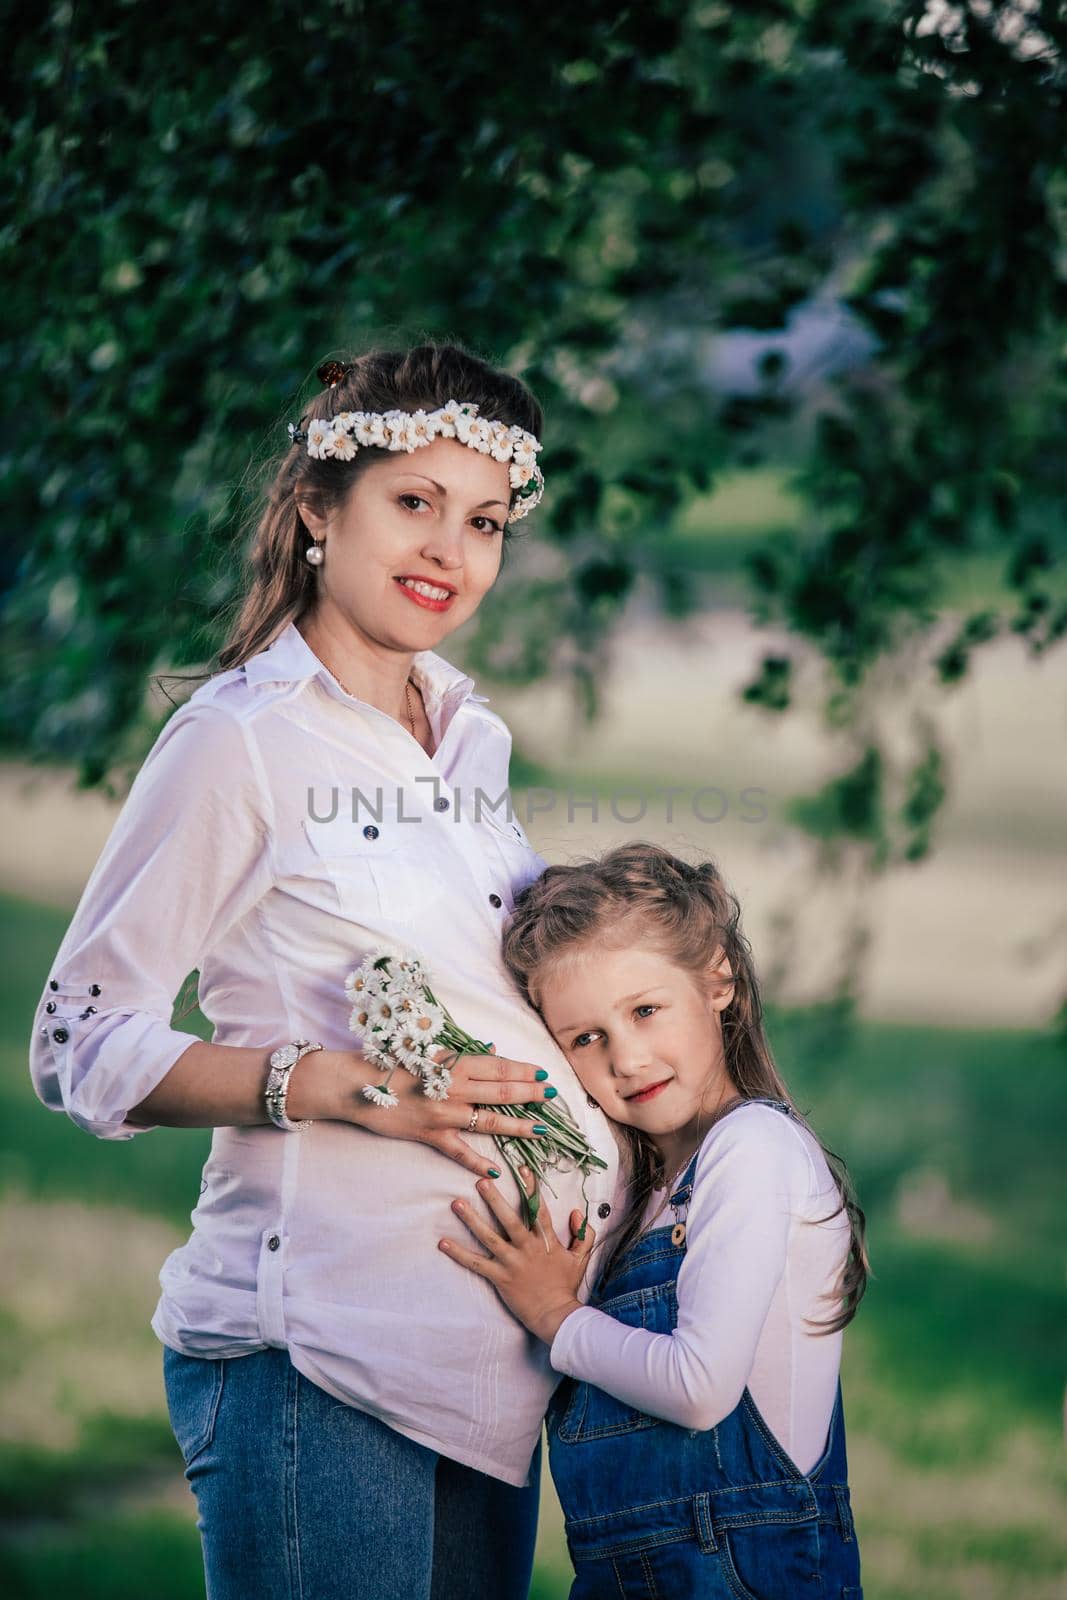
339, 438
400, 1021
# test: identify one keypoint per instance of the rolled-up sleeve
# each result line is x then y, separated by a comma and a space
188, 857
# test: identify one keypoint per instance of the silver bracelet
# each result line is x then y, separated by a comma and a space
276, 1089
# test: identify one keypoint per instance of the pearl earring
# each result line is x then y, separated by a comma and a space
590, 1101
315, 554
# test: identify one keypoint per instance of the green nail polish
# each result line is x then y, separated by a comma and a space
539, 1127
540, 1075
550, 1093
493, 1173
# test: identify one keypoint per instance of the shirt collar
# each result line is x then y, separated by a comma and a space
290, 659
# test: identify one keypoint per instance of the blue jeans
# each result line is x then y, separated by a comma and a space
302, 1497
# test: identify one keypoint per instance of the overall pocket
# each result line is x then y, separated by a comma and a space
768, 1560
586, 1412
193, 1387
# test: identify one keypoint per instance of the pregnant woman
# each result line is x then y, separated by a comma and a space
356, 1418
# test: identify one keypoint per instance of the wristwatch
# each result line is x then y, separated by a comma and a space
276, 1088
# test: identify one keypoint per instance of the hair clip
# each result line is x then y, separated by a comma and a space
331, 372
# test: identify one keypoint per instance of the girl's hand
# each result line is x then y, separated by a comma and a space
534, 1275
477, 1080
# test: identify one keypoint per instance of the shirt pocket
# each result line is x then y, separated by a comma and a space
386, 871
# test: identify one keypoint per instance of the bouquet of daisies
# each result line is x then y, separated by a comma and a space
400, 1021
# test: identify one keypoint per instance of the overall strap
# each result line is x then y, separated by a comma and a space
681, 1195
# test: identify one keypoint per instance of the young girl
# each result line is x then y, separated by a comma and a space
697, 1442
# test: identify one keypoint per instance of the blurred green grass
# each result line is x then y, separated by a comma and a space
953, 1369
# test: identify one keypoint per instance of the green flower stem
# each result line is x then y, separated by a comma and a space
565, 1143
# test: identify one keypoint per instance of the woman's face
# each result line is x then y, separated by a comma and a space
435, 514
628, 1020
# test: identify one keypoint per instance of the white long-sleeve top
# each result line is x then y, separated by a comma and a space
225, 857
757, 1263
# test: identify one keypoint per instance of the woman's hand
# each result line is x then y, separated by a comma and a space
534, 1275
477, 1080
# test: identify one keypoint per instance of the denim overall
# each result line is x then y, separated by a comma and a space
662, 1512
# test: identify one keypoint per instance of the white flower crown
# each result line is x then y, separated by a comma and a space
340, 437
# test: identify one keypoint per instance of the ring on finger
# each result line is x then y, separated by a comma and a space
473, 1123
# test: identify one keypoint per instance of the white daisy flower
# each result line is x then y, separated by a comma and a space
359, 1019
408, 1003
379, 1097
344, 446
502, 442
370, 429
412, 438
381, 1010
362, 983
411, 1057
377, 1057
409, 978
437, 1083
419, 1041
420, 426
446, 418
427, 1020
474, 431
320, 439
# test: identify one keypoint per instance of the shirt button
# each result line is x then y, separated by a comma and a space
94, 988
495, 900
50, 1007
61, 1036
370, 831
273, 1242
440, 804
604, 1208
52, 984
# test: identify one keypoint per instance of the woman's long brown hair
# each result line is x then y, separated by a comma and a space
640, 892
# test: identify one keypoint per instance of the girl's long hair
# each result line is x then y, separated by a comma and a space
639, 892
277, 584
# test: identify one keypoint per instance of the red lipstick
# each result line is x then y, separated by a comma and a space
646, 1094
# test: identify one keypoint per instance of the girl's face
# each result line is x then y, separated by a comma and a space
629, 1021
436, 514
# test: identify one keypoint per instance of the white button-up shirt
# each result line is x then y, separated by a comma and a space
236, 853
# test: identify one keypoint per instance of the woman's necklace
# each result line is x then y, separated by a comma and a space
407, 697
